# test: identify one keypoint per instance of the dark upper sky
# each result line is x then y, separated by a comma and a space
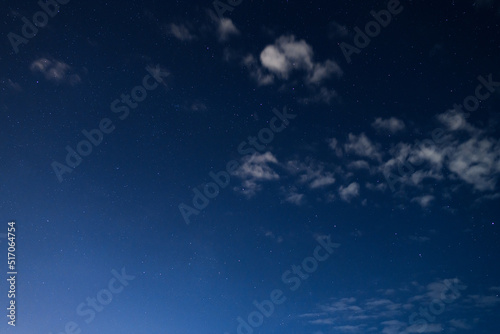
309, 167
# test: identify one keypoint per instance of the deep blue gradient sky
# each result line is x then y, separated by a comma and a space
377, 157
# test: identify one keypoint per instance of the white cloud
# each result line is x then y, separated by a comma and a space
323, 95
271, 235
334, 145
362, 146
322, 181
455, 120
180, 32
483, 301
336, 30
460, 324
392, 124
477, 162
359, 164
321, 72
312, 173
288, 55
254, 170
7, 83
349, 192
225, 29
295, 198
379, 187
419, 238
423, 201
484, 3
54, 70
275, 61
256, 72
391, 313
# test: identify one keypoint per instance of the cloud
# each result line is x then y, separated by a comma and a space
312, 173
423, 201
336, 30
288, 55
295, 198
271, 235
392, 313
454, 120
225, 29
196, 106
362, 146
359, 164
322, 181
483, 301
484, 3
460, 324
323, 95
334, 145
256, 72
379, 187
477, 162
322, 72
254, 170
180, 31
392, 124
56, 71
419, 238
10, 85
349, 192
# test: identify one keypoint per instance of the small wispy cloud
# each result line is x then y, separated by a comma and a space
55, 71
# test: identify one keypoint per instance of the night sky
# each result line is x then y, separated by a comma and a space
239, 166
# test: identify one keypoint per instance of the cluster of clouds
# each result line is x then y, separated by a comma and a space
390, 313
284, 62
55, 71
289, 60
468, 157
288, 55
490, 5
187, 31
52, 70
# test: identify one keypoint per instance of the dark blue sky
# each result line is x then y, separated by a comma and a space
285, 167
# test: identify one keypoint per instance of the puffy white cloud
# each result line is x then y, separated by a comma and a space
312, 173
477, 162
392, 124
423, 201
180, 32
349, 192
287, 55
295, 198
323, 94
54, 70
334, 145
454, 120
359, 164
256, 72
254, 170
321, 72
362, 146
225, 29
460, 324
